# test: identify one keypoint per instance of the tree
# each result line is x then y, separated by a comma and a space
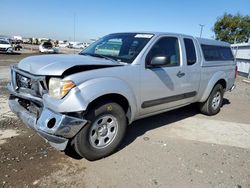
232, 28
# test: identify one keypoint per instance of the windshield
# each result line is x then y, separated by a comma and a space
122, 47
47, 45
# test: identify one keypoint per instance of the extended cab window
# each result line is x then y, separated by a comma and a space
167, 47
217, 53
190, 51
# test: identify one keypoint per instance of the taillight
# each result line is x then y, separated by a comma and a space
236, 72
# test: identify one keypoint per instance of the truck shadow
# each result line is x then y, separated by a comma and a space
140, 127
225, 102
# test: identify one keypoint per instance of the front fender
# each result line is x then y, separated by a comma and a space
214, 79
81, 96
98, 87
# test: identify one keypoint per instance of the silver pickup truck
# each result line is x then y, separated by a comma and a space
86, 101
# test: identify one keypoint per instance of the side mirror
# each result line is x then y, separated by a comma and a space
159, 61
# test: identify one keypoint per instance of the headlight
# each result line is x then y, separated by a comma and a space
58, 88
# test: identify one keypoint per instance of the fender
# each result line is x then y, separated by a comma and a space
81, 96
215, 78
95, 88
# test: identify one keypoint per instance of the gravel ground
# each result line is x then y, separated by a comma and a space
242, 89
181, 148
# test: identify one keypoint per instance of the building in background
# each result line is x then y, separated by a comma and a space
242, 55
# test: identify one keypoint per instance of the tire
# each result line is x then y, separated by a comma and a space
213, 104
104, 132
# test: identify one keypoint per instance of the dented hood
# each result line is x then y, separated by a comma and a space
56, 65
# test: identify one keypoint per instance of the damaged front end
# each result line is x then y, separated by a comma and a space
26, 91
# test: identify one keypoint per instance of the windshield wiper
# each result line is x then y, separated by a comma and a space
99, 55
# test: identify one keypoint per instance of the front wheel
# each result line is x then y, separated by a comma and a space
212, 105
104, 132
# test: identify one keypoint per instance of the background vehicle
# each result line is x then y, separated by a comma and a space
48, 47
63, 45
76, 45
85, 101
16, 44
5, 46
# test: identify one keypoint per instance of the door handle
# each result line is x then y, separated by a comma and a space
180, 74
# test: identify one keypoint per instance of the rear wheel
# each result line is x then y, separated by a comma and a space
212, 105
105, 131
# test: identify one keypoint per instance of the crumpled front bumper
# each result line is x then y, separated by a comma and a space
54, 127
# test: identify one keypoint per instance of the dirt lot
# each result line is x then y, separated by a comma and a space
181, 148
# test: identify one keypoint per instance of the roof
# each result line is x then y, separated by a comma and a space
200, 40
156, 33
212, 42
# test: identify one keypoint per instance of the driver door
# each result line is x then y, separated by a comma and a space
163, 84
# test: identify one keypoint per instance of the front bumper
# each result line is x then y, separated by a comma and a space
6, 50
54, 127
52, 50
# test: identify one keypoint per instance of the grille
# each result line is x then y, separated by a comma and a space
23, 81
3, 49
33, 85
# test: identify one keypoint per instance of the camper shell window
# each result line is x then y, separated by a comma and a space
217, 53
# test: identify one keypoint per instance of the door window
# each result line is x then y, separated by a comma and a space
190, 51
167, 47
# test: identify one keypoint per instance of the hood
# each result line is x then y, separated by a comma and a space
5, 45
56, 65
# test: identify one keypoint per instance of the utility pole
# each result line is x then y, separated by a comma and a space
74, 29
201, 29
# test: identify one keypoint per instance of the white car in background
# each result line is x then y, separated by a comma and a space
48, 47
5, 46
80, 45
63, 45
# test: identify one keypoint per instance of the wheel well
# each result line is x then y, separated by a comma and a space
119, 99
222, 82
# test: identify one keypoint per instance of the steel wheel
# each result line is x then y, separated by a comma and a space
103, 131
216, 100
213, 103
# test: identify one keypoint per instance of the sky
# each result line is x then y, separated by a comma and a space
96, 18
